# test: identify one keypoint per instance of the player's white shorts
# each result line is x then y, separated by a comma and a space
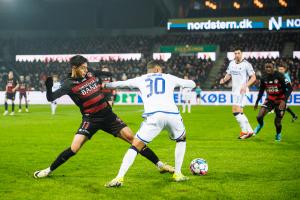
187, 97
154, 124
239, 100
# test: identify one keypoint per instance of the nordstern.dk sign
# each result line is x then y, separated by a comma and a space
238, 23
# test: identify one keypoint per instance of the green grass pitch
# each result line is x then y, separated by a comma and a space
257, 168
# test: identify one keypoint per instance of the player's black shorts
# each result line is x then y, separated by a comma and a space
23, 95
270, 105
11, 96
111, 124
198, 96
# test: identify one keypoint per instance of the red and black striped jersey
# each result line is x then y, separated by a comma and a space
86, 94
276, 86
23, 87
11, 84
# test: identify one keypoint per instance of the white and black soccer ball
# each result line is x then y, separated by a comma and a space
199, 166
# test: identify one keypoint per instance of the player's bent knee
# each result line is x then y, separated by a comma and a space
78, 141
127, 134
138, 144
75, 148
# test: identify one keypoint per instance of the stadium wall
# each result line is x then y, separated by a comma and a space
214, 98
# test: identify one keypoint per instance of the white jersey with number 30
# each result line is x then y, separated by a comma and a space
240, 73
157, 91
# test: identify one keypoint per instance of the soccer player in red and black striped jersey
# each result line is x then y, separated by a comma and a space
84, 88
23, 88
10, 89
278, 91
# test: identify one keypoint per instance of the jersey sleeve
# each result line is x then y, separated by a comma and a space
131, 83
228, 69
250, 70
262, 88
287, 76
286, 86
63, 90
179, 82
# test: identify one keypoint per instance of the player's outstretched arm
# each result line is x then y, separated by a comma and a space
183, 83
51, 96
131, 83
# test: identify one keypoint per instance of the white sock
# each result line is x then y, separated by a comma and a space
48, 170
247, 124
183, 107
240, 120
189, 107
127, 162
160, 164
53, 108
179, 155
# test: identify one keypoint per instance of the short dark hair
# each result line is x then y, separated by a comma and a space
153, 64
77, 61
269, 64
237, 49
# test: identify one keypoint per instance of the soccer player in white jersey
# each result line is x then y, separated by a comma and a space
242, 74
160, 112
186, 96
56, 86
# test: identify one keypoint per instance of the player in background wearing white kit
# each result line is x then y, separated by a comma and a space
240, 70
160, 112
186, 97
56, 86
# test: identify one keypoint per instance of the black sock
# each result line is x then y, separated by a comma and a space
6, 106
149, 154
62, 158
26, 105
278, 125
12, 107
291, 112
260, 120
20, 106
278, 128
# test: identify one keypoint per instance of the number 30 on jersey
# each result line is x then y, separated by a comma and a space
156, 85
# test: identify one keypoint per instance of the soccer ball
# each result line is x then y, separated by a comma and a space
199, 166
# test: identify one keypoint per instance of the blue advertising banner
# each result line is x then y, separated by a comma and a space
236, 23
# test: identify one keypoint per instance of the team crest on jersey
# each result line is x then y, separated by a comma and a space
275, 81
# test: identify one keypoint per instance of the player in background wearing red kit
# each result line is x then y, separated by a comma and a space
10, 93
23, 88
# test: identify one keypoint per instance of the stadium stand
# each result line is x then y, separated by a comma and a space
195, 68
